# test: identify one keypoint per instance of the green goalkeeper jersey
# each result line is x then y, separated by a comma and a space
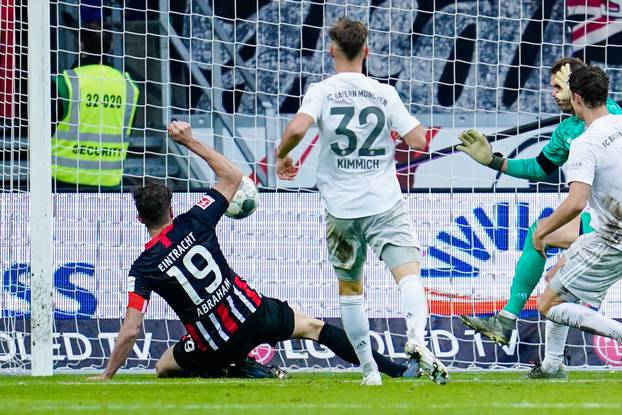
555, 153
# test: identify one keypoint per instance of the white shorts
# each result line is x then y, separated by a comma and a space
591, 267
347, 241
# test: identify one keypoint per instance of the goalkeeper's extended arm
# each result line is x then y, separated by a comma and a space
531, 169
476, 146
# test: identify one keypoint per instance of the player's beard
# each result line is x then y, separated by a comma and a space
565, 106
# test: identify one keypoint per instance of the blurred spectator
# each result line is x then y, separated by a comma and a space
94, 114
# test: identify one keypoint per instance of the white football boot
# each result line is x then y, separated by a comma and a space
372, 379
428, 363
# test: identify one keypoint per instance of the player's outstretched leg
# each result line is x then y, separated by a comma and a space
413, 305
583, 318
336, 340
528, 272
304, 327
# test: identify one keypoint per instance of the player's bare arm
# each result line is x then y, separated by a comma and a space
229, 175
125, 341
415, 138
292, 136
572, 206
565, 235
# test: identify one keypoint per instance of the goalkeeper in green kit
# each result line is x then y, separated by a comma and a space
531, 264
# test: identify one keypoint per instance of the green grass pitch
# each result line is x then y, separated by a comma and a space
504, 393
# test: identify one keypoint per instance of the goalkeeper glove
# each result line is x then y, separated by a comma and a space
561, 80
478, 148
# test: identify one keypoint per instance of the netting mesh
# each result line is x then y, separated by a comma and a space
14, 203
237, 71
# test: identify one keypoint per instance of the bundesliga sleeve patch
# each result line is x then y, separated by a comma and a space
131, 283
205, 202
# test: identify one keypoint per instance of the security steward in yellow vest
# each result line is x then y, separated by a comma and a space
95, 114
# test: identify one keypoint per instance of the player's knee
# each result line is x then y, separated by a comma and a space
353, 287
161, 370
306, 326
312, 328
315, 327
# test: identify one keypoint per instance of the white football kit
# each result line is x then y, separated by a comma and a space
594, 261
356, 172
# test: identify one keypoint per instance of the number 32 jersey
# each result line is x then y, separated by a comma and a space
186, 267
356, 170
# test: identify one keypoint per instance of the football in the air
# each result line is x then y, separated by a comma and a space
245, 200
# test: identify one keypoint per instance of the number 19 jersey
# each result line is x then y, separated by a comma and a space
186, 267
356, 172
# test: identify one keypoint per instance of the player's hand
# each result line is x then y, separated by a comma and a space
180, 132
476, 146
538, 243
285, 168
561, 81
98, 378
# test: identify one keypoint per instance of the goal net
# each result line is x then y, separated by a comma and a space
237, 70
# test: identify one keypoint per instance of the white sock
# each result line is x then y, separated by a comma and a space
586, 319
507, 314
414, 307
554, 344
356, 326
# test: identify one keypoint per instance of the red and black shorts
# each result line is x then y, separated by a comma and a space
271, 323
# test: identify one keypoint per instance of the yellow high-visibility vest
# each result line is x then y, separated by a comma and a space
91, 142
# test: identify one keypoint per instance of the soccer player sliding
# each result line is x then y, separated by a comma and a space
531, 264
357, 180
224, 316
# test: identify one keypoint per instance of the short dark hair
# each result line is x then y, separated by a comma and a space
95, 41
350, 36
575, 63
592, 84
153, 203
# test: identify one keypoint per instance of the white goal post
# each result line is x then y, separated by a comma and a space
41, 213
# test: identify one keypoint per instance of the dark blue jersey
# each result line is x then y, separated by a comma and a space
185, 266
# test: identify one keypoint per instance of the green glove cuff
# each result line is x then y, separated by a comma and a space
497, 161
